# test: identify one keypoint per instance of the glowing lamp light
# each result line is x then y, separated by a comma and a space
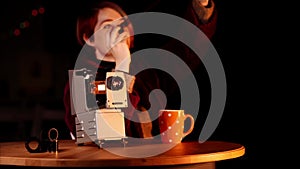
24, 24
34, 12
17, 32
41, 10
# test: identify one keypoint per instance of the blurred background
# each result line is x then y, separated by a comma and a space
37, 42
38, 46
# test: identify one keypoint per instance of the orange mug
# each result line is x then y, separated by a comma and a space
171, 125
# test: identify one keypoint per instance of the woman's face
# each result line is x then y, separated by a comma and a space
106, 17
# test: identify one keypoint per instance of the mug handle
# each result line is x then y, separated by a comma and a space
192, 124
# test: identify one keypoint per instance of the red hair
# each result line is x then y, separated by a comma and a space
87, 21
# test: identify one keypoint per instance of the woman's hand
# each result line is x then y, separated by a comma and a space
204, 9
112, 42
203, 2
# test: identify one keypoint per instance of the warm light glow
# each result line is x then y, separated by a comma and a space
24, 24
34, 12
17, 32
41, 10
101, 87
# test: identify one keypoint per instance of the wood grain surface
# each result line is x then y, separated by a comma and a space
90, 155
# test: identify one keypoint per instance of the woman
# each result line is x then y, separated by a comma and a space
108, 37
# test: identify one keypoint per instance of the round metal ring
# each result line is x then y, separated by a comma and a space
49, 134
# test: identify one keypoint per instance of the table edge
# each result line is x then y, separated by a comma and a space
147, 161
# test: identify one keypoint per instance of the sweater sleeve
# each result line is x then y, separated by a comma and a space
205, 18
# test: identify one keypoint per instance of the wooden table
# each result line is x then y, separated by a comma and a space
183, 155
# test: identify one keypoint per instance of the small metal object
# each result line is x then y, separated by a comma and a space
53, 142
123, 24
56, 134
34, 145
39, 145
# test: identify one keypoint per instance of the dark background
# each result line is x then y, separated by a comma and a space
34, 68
